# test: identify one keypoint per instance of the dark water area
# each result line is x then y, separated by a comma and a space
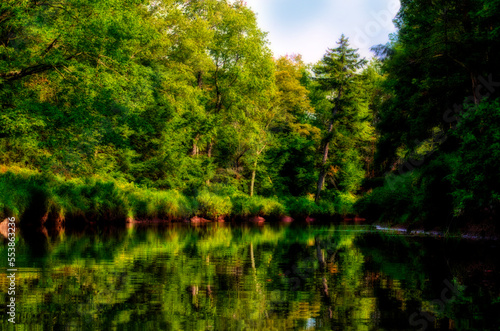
252, 277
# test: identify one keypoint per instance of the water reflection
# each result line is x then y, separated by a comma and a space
218, 277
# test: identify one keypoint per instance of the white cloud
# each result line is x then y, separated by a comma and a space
309, 27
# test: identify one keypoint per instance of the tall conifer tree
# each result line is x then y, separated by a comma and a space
337, 74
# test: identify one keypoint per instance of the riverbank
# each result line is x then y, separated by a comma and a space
405, 202
47, 199
52, 202
470, 232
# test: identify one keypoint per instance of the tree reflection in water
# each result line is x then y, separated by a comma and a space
252, 277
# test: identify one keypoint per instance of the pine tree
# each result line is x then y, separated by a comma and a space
337, 75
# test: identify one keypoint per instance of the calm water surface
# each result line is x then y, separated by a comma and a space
249, 277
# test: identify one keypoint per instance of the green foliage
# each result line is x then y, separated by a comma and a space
171, 109
15, 192
391, 202
302, 207
422, 195
89, 199
435, 121
345, 118
344, 203
113, 93
444, 53
212, 205
246, 206
475, 175
170, 204
163, 99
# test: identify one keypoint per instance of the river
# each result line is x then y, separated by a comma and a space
252, 277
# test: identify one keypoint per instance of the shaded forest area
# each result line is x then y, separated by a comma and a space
172, 109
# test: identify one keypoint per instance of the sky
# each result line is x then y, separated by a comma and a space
310, 27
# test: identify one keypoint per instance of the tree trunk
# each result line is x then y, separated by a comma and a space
209, 154
252, 259
200, 79
252, 183
209, 149
195, 146
319, 253
322, 173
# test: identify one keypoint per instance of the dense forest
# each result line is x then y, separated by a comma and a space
115, 110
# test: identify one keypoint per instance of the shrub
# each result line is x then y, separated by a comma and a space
212, 205
245, 206
391, 201
301, 207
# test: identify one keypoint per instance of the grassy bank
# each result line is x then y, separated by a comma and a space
33, 197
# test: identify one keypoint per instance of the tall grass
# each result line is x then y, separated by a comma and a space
246, 206
16, 191
305, 206
30, 196
213, 206
89, 199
